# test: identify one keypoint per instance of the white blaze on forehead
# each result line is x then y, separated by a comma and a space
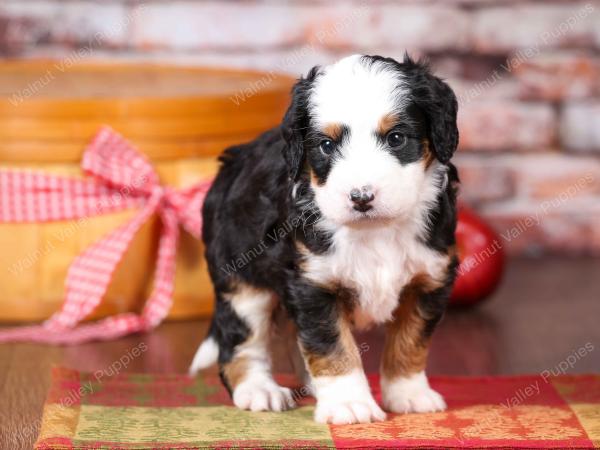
356, 93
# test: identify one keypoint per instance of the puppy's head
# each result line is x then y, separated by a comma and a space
364, 133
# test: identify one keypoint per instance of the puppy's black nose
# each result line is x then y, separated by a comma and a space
361, 198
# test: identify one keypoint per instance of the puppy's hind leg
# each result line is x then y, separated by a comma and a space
207, 353
244, 358
286, 334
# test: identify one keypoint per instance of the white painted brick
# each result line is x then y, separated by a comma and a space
414, 28
219, 25
536, 26
67, 22
580, 126
346, 26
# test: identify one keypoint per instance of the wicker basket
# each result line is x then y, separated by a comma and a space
181, 118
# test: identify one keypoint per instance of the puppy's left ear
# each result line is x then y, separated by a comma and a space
294, 125
438, 102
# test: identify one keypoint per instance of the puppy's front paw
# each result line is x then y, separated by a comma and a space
347, 398
342, 412
262, 395
411, 394
419, 401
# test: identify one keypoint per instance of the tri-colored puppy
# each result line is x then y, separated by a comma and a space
345, 215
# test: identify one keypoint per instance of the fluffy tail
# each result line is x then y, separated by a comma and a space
206, 355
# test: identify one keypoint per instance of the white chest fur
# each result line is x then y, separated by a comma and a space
375, 263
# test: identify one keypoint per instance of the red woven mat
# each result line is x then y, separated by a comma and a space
134, 411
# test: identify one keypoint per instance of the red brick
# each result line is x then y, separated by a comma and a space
536, 26
506, 125
71, 24
479, 3
534, 228
494, 87
14, 34
554, 206
470, 66
411, 27
483, 179
557, 76
554, 176
580, 126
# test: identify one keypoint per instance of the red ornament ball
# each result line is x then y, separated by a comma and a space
481, 258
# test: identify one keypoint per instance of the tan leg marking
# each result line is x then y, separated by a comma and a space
342, 360
403, 382
405, 349
235, 371
249, 372
339, 383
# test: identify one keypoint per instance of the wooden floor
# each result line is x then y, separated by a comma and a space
544, 312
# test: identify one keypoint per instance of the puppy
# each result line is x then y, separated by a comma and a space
344, 215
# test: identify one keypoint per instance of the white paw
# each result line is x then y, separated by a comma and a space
348, 412
420, 401
413, 394
345, 399
265, 395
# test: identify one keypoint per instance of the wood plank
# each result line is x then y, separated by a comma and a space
544, 311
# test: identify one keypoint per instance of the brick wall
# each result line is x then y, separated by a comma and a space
527, 75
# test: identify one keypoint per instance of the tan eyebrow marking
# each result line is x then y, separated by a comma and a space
386, 123
333, 130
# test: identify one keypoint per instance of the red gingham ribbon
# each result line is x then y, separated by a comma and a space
122, 179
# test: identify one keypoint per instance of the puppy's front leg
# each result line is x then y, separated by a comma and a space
404, 385
333, 361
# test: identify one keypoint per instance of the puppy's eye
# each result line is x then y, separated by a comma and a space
395, 139
327, 146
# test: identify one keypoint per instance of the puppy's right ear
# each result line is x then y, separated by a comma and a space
295, 123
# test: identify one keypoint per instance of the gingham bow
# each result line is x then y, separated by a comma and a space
122, 179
